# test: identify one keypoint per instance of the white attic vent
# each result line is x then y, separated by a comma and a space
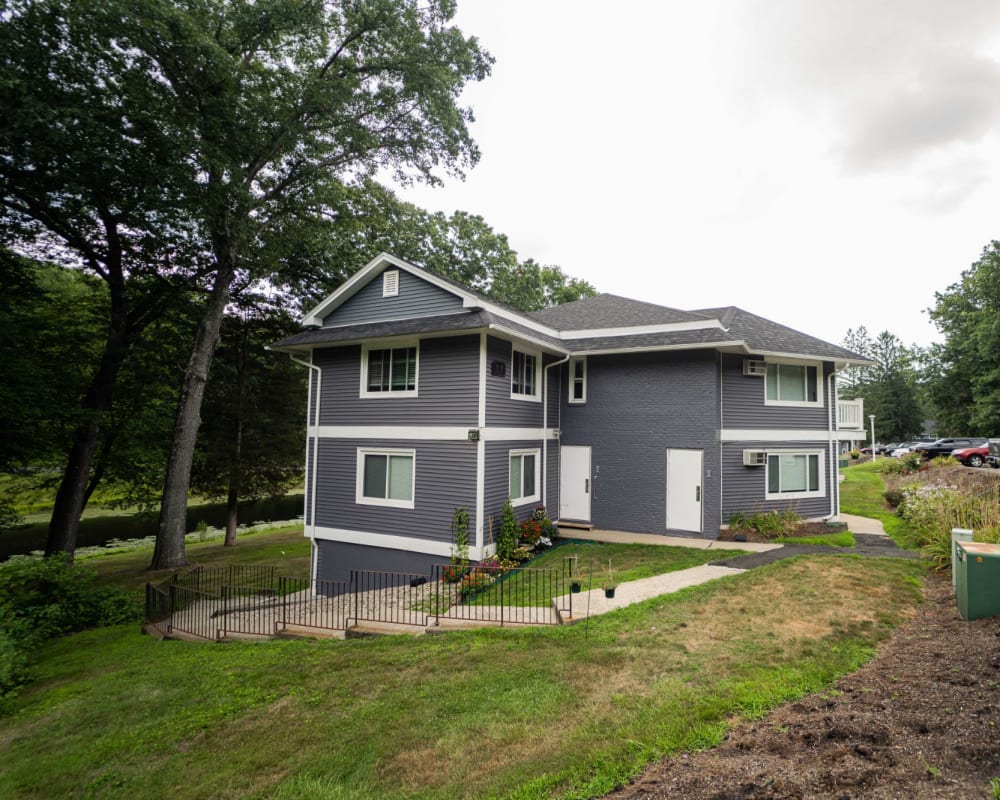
754, 458
390, 283
756, 368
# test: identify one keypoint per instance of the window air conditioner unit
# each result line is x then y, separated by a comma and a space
757, 368
754, 458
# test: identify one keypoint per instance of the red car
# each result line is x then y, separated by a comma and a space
971, 456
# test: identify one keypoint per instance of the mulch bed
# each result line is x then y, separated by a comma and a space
918, 721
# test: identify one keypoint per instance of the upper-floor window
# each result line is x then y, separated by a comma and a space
389, 371
578, 380
791, 474
793, 384
524, 377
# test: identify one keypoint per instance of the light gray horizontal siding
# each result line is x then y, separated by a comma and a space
638, 406
445, 479
416, 298
746, 487
743, 402
501, 409
447, 387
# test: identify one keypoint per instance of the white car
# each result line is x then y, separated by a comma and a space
904, 448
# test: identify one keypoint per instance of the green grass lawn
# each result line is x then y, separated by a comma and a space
861, 493
588, 561
566, 712
843, 539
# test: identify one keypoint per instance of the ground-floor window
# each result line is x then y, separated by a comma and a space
794, 474
386, 477
524, 476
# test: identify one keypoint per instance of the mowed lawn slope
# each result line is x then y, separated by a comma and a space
558, 712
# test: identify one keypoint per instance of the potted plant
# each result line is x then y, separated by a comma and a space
609, 585
576, 581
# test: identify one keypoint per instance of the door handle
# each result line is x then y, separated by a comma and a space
586, 485
697, 494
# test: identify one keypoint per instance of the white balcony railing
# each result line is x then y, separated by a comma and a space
851, 415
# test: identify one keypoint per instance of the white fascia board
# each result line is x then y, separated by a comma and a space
773, 435
390, 542
839, 362
516, 434
611, 351
521, 337
638, 330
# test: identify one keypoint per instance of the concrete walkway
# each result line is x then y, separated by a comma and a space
869, 534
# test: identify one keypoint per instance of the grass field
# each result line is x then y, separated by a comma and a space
564, 712
861, 493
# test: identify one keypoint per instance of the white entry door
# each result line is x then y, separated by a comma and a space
574, 483
684, 490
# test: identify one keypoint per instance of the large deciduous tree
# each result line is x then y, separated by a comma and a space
92, 175
162, 144
964, 374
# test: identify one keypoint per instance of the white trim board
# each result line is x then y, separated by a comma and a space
639, 330
437, 433
773, 435
390, 542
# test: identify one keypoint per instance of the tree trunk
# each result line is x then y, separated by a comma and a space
235, 466
73, 493
232, 515
169, 551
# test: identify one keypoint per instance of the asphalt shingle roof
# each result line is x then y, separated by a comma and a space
610, 311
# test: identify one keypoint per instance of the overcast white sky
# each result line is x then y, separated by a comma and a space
822, 163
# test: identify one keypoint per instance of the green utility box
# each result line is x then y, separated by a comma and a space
977, 584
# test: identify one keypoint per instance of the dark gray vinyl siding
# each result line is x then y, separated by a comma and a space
445, 478
307, 499
497, 479
447, 387
416, 298
552, 491
335, 560
638, 406
501, 408
743, 402
746, 487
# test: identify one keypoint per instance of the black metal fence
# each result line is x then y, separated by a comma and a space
250, 601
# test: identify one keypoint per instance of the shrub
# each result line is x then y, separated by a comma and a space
894, 497
460, 537
44, 598
768, 524
507, 535
855, 454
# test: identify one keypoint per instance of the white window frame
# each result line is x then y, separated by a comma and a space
582, 360
775, 362
821, 459
537, 396
362, 499
396, 345
533, 498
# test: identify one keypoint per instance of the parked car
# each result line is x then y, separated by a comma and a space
943, 447
972, 456
993, 459
885, 449
904, 448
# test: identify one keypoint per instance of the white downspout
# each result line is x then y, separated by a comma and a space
545, 441
315, 454
832, 450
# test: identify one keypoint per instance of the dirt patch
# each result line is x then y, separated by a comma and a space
919, 721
